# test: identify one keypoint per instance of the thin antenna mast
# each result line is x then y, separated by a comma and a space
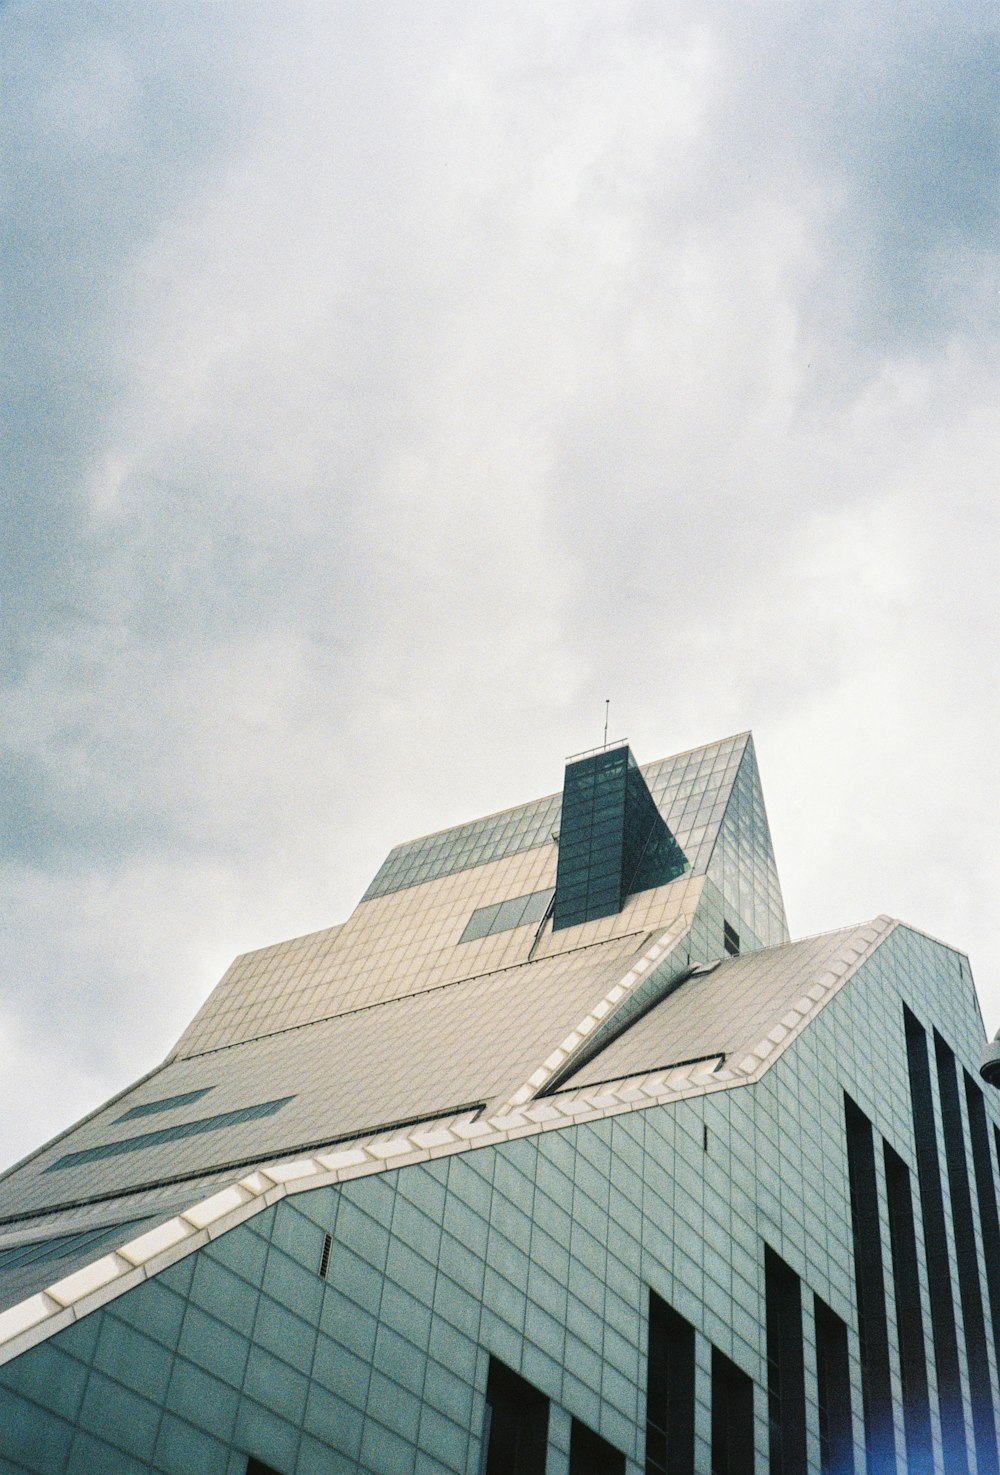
607, 709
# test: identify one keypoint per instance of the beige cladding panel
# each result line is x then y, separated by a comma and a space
405, 943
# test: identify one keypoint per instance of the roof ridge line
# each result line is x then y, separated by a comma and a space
543, 798
417, 994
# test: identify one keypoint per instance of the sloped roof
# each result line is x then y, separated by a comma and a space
403, 937
401, 1060
717, 1030
726, 1012
400, 1017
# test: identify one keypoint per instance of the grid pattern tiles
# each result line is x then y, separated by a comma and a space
461, 1044
407, 940
691, 790
529, 1251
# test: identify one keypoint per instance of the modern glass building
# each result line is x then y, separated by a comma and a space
557, 1157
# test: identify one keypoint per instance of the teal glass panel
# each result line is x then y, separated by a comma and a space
613, 841
169, 1134
167, 1103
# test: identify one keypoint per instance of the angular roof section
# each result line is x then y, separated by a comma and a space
728, 1011
404, 937
741, 862
406, 1014
693, 1042
691, 789
455, 1047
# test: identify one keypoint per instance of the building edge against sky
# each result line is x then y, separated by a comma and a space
556, 1156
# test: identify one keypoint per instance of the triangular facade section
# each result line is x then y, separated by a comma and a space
741, 865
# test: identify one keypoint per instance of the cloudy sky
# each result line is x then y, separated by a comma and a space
385, 385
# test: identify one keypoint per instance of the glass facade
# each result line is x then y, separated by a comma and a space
613, 841
503, 916
757, 1234
691, 791
592, 835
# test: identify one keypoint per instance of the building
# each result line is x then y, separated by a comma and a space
557, 1157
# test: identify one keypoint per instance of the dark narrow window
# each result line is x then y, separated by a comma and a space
669, 1392
589, 1454
257, 1467
730, 939
732, 1418
969, 1285
873, 1330
909, 1317
987, 1195
945, 1336
786, 1382
517, 1424
833, 1390
324, 1259
168, 1134
165, 1103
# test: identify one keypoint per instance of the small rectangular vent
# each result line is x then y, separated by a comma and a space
324, 1259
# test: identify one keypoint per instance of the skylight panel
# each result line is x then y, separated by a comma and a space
168, 1134
504, 916
167, 1103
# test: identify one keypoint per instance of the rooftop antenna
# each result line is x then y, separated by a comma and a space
607, 709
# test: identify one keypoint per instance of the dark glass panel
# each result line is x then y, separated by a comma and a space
786, 1384
517, 1417
669, 1392
909, 1317
503, 916
987, 1196
833, 1389
732, 1418
167, 1103
589, 1454
969, 1285
873, 1330
945, 1334
610, 824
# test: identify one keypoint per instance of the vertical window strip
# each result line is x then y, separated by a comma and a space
943, 1326
669, 1392
909, 1317
873, 1329
516, 1429
732, 1418
833, 1390
589, 1454
786, 1385
969, 1284
989, 1220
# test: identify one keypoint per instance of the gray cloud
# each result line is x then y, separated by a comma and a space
389, 385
